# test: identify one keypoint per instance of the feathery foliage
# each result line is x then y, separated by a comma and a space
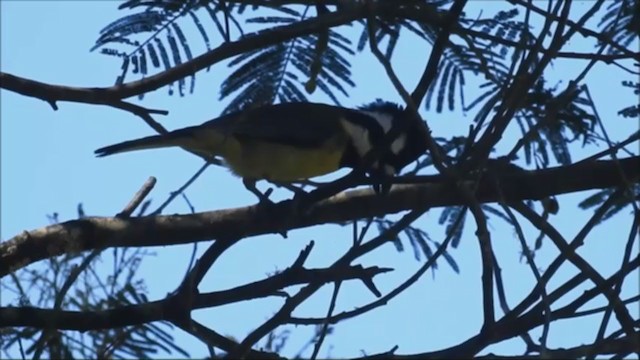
283, 72
92, 291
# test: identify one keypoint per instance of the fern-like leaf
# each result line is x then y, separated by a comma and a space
156, 31
621, 22
419, 241
283, 72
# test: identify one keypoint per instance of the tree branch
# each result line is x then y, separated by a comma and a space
95, 232
102, 95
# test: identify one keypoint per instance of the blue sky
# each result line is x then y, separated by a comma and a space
47, 165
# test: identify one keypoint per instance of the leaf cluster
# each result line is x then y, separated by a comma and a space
621, 22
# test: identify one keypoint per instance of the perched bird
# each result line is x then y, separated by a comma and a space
295, 141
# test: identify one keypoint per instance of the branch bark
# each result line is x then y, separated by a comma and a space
97, 232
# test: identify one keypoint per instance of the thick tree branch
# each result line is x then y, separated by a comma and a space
96, 232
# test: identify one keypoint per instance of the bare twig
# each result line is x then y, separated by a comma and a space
325, 326
284, 314
143, 113
617, 288
212, 338
622, 314
540, 282
612, 149
392, 294
180, 190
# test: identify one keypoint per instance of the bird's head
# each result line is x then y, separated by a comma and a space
368, 127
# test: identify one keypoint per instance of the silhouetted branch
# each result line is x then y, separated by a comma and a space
166, 309
283, 315
622, 313
389, 296
95, 232
211, 337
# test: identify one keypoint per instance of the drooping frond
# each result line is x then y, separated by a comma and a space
497, 41
420, 242
284, 72
619, 200
622, 22
454, 217
388, 30
631, 111
486, 55
551, 122
155, 35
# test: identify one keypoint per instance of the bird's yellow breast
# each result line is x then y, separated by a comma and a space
278, 162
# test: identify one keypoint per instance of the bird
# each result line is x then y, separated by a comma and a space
293, 141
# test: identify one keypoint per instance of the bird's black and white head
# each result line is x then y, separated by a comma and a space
367, 128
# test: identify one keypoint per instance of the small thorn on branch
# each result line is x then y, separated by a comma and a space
53, 104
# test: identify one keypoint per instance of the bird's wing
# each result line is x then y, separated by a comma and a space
299, 124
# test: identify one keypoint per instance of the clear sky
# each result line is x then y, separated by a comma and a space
47, 165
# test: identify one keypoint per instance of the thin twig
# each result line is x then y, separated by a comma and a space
612, 149
392, 294
212, 338
622, 313
541, 283
179, 191
577, 241
626, 259
143, 113
284, 314
325, 326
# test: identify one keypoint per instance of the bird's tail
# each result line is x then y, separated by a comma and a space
189, 138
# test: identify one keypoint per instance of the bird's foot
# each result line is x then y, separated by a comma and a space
264, 203
263, 198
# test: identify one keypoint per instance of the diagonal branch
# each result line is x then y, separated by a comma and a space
102, 95
284, 314
621, 312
